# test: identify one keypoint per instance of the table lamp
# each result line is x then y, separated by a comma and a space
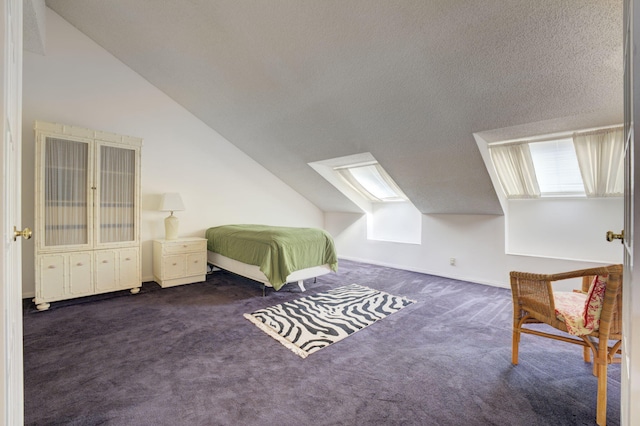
171, 202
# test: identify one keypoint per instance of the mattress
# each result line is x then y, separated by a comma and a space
277, 252
254, 273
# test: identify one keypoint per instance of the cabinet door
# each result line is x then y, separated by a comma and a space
129, 271
106, 270
196, 264
50, 281
117, 210
64, 194
80, 274
173, 266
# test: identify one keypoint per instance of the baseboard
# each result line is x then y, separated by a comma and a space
32, 294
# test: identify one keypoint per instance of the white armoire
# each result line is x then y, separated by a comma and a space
87, 218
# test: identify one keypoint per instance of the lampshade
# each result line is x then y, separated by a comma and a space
171, 202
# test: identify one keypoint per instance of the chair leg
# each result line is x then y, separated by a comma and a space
514, 345
601, 408
587, 358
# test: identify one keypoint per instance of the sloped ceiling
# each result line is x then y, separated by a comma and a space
295, 81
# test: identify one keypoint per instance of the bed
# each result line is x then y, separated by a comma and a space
272, 255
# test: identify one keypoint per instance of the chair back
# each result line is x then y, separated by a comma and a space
613, 301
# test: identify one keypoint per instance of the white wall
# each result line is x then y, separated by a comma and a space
78, 83
477, 242
399, 222
567, 227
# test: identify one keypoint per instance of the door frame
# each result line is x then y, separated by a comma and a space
630, 376
11, 353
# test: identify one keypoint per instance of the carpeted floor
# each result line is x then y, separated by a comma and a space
186, 356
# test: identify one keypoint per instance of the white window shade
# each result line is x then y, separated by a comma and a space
372, 182
515, 170
601, 158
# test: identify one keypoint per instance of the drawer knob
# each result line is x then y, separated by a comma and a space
52, 267
195, 261
174, 264
79, 264
128, 258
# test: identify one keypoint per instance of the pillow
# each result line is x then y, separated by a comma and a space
593, 303
570, 310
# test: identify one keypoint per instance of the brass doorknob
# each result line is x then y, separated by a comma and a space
25, 233
611, 236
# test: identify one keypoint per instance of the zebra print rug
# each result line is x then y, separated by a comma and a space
314, 322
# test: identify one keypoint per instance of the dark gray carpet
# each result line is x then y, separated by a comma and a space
186, 356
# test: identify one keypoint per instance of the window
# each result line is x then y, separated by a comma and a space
556, 167
586, 164
390, 215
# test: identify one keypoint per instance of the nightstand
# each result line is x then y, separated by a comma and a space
179, 261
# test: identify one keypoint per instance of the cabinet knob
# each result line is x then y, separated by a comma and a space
128, 258
174, 264
105, 261
52, 267
195, 261
79, 264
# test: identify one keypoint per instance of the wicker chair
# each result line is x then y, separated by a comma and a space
533, 302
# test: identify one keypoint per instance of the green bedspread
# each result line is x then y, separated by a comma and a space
277, 251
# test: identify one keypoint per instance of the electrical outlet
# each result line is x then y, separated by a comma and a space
452, 261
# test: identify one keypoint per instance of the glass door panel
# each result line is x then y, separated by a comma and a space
66, 180
117, 194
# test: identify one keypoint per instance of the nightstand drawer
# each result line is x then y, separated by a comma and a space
184, 247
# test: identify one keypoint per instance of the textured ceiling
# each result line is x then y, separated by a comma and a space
291, 82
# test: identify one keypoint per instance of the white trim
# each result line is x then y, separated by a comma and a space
551, 136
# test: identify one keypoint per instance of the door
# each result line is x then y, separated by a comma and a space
630, 385
11, 388
63, 190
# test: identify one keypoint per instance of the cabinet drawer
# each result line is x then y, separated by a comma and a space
184, 247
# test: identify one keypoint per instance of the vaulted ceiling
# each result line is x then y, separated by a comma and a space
410, 81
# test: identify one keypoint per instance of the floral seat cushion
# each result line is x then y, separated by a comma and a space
581, 311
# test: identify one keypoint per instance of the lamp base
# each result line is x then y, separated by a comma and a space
171, 227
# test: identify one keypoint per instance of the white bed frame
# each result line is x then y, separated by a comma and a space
253, 272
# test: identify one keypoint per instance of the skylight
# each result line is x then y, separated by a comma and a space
583, 164
371, 181
556, 167
390, 215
